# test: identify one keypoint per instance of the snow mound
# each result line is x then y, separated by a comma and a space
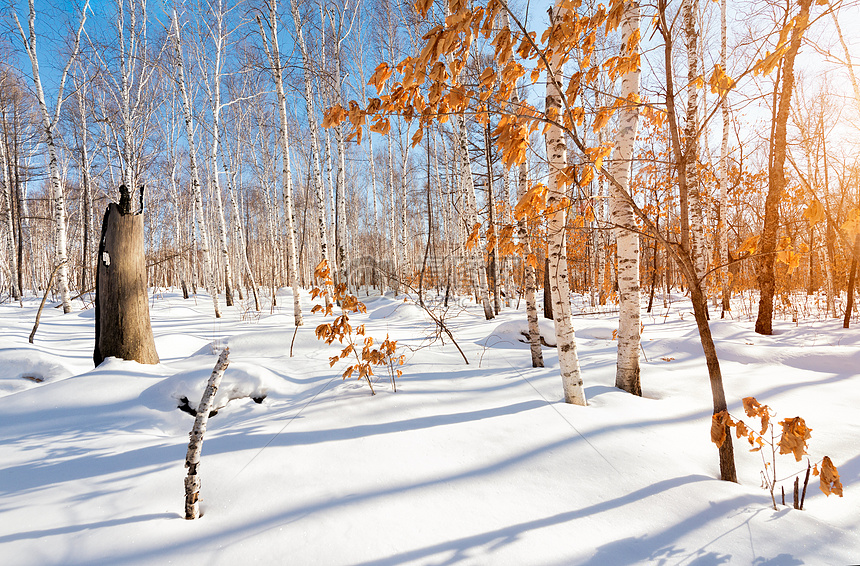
395, 311
178, 345
241, 380
270, 344
23, 368
518, 331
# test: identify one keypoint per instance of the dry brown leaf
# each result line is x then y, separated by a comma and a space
719, 422
741, 429
795, 433
830, 478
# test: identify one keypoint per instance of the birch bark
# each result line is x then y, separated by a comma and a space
195, 445
213, 90
49, 124
8, 221
196, 191
529, 279
723, 173
626, 232
315, 145
231, 177
274, 54
691, 135
556, 150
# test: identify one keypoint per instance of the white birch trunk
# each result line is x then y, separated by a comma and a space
723, 173
49, 123
626, 234
476, 254
315, 145
530, 282
393, 217
404, 245
7, 220
556, 150
86, 181
196, 191
697, 233
341, 174
275, 60
195, 445
240, 233
214, 92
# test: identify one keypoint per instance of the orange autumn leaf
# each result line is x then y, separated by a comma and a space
335, 115
755, 409
719, 422
795, 433
830, 482
472, 241
814, 213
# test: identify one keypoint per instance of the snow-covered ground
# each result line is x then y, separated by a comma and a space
465, 464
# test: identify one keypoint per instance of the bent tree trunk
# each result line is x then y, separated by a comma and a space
195, 445
122, 308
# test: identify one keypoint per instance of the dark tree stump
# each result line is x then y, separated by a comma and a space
122, 306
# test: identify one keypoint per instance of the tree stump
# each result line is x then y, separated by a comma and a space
122, 305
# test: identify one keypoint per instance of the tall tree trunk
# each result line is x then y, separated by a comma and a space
529, 259
393, 216
275, 60
776, 178
315, 145
852, 273
231, 176
49, 124
494, 241
723, 229
690, 10
214, 92
196, 191
626, 232
7, 219
556, 151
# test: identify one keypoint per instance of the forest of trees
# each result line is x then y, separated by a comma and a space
619, 151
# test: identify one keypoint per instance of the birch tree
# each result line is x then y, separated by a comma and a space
314, 131
723, 229
529, 279
270, 42
342, 25
49, 124
212, 83
196, 191
689, 9
8, 200
556, 151
626, 232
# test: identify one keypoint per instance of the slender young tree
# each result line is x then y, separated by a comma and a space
723, 230
270, 41
314, 131
49, 125
196, 191
530, 281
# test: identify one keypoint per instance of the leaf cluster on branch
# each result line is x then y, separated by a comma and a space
361, 349
792, 440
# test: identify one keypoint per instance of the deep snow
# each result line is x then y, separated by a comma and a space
465, 464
